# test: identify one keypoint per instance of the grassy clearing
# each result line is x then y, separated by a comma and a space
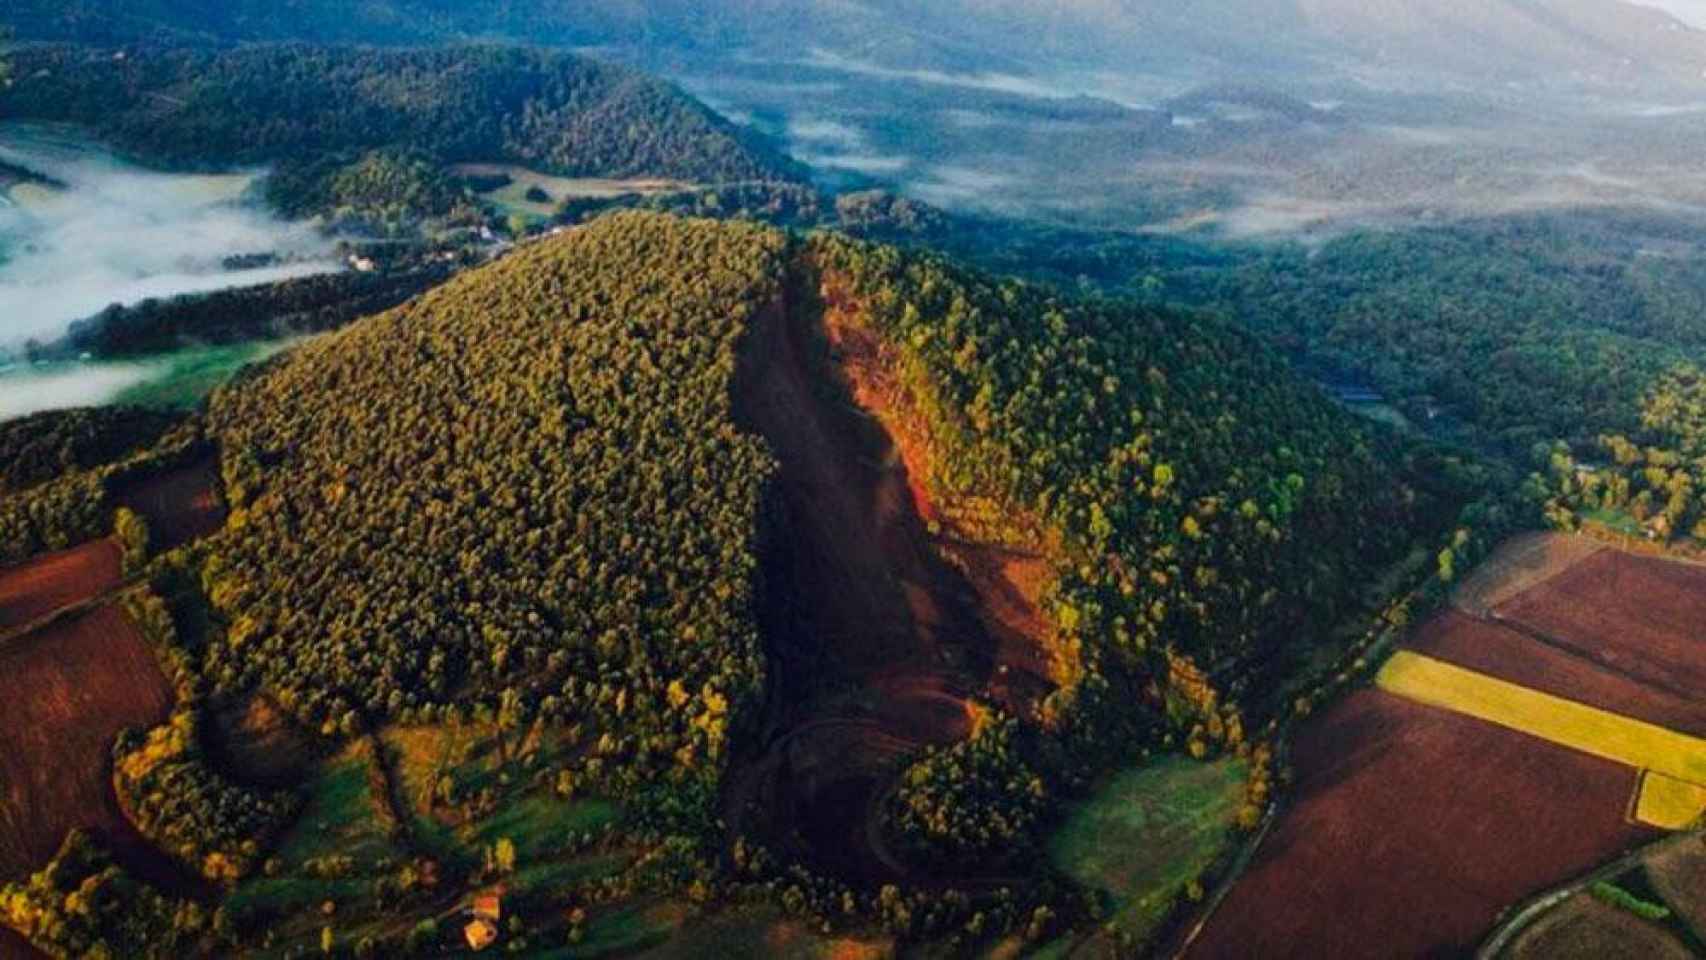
1382, 413
530, 815
542, 826
512, 198
1149, 832
340, 821
1633, 743
185, 378
626, 930
1614, 520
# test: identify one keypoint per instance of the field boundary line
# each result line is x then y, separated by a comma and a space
1574, 652
1223, 889
1601, 733
72, 610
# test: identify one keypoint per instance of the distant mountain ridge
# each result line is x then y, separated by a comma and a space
1579, 40
316, 113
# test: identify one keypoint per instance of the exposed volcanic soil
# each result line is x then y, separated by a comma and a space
876, 642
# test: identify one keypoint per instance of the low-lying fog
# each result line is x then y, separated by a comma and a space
82, 230
1202, 153
114, 233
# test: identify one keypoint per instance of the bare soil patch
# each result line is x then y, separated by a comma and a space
1410, 829
1584, 928
1521, 563
877, 641
180, 506
1637, 615
1679, 875
254, 742
65, 693
40, 586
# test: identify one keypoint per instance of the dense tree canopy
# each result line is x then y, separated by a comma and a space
320, 113
1654, 477
286, 308
1208, 500
40, 447
526, 482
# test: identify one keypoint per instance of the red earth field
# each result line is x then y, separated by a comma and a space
40, 586
69, 687
65, 692
1411, 828
1642, 616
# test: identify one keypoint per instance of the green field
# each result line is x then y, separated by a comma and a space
1614, 520
341, 821
1147, 833
188, 376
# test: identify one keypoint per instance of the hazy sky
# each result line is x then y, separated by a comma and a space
1692, 12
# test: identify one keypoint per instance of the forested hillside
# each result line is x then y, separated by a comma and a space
1207, 502
524, 487
346, 121
551, 507
1517, 331
1579, 38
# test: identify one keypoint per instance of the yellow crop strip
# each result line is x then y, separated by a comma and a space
1635, 743
1668, 803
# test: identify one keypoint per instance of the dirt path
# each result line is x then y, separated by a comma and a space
876, 643
1519, 918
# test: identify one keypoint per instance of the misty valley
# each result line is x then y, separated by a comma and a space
81, 230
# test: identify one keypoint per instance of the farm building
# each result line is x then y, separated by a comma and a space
480, 934
488, 906
484, 913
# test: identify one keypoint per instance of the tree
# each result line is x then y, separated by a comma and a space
510, 709
132, 533
5, 64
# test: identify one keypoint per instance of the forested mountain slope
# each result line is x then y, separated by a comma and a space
316, 111
1200, 498
537, 467
838, 570
525, 483
1542, 40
